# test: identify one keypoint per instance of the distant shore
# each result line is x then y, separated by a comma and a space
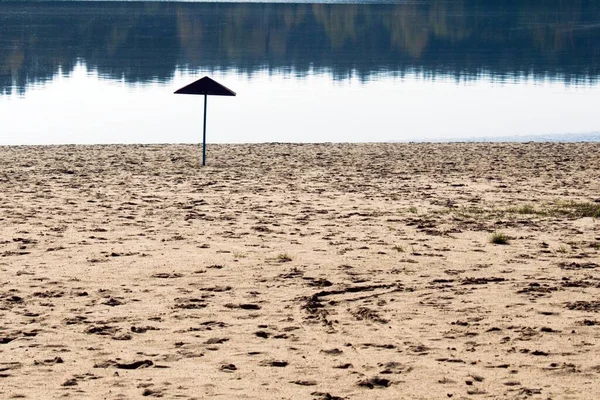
550, 138
327, 271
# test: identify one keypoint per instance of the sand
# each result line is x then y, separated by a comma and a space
346, 271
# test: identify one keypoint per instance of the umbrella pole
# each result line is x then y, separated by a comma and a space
204, 134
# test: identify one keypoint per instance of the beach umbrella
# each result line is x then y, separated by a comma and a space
207, 87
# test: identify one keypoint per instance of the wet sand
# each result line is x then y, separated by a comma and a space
350, 271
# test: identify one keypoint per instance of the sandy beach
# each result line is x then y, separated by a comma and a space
281, 271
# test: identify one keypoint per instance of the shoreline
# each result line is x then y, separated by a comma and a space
562, 138
300, 270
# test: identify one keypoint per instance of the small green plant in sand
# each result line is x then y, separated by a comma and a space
498, 238
472, 212
237, 254
562, 249
283, 257
526, 209
412, 210
398, 248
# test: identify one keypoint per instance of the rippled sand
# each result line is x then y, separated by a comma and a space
350, 271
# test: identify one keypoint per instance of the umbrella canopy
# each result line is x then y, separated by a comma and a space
206, 86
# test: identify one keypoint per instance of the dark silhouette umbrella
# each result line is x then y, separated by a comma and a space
205, 86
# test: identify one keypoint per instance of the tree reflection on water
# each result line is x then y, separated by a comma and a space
141, 42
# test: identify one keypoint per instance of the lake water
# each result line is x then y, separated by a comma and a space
441, 70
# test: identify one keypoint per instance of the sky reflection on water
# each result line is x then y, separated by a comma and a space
278, 108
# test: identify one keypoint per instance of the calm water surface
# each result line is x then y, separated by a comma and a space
104, 72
